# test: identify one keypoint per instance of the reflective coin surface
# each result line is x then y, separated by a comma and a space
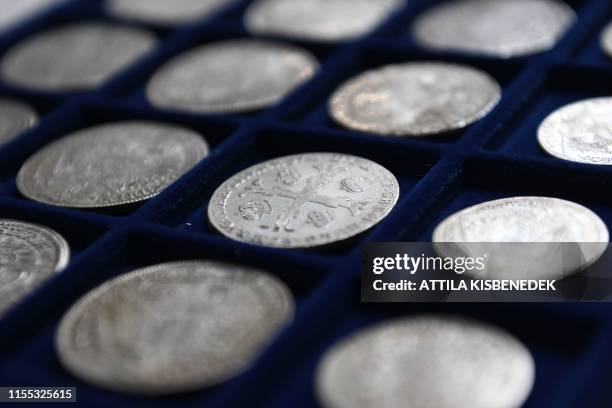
74, 57
29, 255
166, 12
496, 28
320, 20
173, 327
415, 99
16, 12
606, 40
426, 361
15, 118
231, 76
579, 132
304, 200
110, 165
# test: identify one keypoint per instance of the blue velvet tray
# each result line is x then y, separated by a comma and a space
497, 157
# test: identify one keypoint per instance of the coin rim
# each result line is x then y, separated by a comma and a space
114, 8
30, 115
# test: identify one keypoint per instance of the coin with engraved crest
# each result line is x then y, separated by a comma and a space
29, 255
15, 118
426, 361
605, 40
304, 200
496, 28
318, 20
579, 132
111, 164
166, 12
74, 57
173, 327
16, 12
231, 76
415, 99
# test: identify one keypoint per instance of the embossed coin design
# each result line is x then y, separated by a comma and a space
15, 118
579, 132
215, 78
166, 12
606, 40
74, 57
496, 28
415, 99
29, 255
320, 20
110, 165
426, 361
173, 327
304, 200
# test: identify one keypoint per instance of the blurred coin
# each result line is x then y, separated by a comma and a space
166, 12
415, 99
74, 57
496, 28
304, 200
606, 40
173, 327
426, 361
15, 118
580, 132
231, 76
318, 20
17, 11
110, 165
29, 255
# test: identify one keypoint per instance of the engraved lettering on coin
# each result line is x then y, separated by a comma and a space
29, 255
16, 12
231, 76
496, 28
15, 118
74, 57
314, 210
166, 12
606, 40
415, 99
318, 20
426, 361
111, 164
173, 327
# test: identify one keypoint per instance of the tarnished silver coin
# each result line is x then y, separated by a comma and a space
29, 255
579, 132
16, 12
74, 57
606, 40
319, 20
173, 327
304, 200
111, 164
415, 99
15, 118
496, 28
426, 361
166, 12
215, 78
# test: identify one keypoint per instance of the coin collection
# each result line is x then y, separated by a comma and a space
184, 152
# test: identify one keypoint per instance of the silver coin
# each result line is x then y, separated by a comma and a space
319, 20
415, 99
16, 12
74, 57
166, 12
173, 327
110, 165
605, 40
29, 255
304, 200
15, 118
215, 78
579, 132
496, 228
426, 361
496, 28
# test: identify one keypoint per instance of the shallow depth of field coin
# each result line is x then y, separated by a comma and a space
15, 118
29, 255
415, 99
110, 164
231, 76
496, 28
320, 20
426, 361
304, 200
579, 132
75, 57
15, 12
166, 12
606, 40
173, 327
